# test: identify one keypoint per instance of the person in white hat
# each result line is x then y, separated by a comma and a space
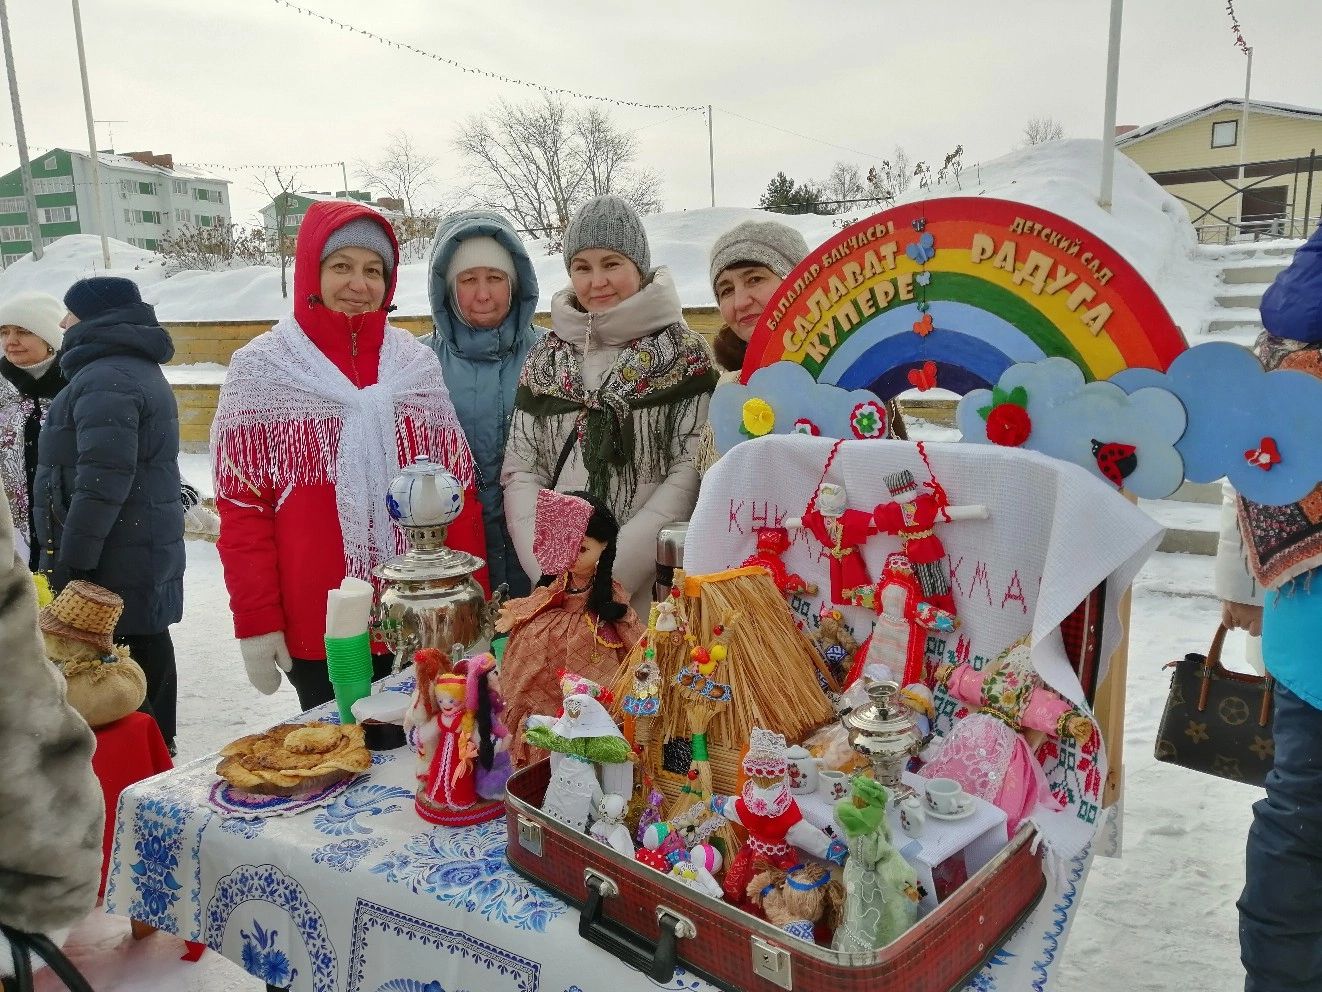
31, 335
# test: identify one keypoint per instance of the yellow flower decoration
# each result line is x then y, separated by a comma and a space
759, 418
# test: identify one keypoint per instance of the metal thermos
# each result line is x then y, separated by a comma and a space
669, 556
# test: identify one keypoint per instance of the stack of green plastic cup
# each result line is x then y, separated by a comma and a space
349, 664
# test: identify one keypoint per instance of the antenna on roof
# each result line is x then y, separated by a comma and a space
112, 130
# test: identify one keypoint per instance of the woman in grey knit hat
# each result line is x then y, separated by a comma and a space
748, 264
614, 399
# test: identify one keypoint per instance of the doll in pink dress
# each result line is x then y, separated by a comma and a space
987, 752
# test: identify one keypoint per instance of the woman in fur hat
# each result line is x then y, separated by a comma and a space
613, 400
30, 334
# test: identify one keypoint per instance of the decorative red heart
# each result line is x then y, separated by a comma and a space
923, 378
923, 327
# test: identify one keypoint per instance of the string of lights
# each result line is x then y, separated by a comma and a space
1235, 29
500, 77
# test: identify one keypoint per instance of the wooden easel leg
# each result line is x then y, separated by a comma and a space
140, 929
1109, 708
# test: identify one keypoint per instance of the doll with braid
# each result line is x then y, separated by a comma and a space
577, 618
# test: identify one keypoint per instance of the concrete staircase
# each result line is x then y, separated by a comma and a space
1246, 272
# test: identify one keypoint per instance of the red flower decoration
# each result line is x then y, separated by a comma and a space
1009, 425
1265, 455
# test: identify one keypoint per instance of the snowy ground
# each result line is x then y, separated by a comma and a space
1160, 918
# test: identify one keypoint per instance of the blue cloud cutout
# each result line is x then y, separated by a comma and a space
1232, 404
793, 394
1069, 414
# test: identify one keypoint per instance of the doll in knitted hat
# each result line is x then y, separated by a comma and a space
881, 900
798, 900
578, 618
770, 814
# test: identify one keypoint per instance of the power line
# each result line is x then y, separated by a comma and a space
455, 64
805, 137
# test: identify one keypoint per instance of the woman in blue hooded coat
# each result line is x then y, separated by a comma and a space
483, 293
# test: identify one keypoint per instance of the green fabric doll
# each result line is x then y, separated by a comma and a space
881, 888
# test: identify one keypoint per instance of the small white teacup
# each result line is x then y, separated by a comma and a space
832, 785
945, 796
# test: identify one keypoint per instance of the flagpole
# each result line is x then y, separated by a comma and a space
1108, 117
91, 137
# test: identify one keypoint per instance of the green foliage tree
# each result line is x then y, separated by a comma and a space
784, 196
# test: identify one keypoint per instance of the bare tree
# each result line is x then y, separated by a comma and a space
280, 184
540, 160
843, 185
403, 171
1040, 130
889, 180
414, 232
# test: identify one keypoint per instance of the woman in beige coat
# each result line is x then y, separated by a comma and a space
613, 400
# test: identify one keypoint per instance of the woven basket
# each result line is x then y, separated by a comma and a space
85, 612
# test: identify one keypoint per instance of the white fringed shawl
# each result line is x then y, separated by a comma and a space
287, 416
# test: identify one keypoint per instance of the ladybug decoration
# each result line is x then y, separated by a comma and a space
1116, 461
1008, 423
1265, 455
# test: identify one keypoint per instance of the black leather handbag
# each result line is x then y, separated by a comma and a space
1217, 721
23, 945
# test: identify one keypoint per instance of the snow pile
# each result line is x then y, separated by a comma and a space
1146, 225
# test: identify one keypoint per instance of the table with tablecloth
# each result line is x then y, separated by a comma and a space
360, 895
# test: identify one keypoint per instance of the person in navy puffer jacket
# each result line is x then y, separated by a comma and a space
1280, 910
483, 293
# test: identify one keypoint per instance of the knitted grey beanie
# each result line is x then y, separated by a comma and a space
764, 242
362, 232
608, 222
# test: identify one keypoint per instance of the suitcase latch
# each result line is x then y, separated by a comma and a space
530, 836
772, 963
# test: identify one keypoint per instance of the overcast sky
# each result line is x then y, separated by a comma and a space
250, 81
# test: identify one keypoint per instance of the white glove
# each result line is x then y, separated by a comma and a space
265, 656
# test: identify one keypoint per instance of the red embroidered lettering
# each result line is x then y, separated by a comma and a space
1014, 592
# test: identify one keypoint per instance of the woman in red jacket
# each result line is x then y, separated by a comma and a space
315, 418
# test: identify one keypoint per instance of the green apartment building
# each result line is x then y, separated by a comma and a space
144, 197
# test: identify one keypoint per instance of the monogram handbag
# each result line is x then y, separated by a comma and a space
1217, 721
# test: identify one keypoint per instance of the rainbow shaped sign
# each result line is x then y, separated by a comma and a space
952, 292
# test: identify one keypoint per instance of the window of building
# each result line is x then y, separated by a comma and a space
58, 215
17, 232
60, 184
149, 243
1225, 134
51, 164
147, 216
7, 260
126, 186
209, 195
293, 220
147, 189
47, 242
180, 187
203, 220
13, 205
183, 216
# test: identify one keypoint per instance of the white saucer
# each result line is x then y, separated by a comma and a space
966, 810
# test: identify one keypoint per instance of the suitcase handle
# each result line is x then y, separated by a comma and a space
657, 962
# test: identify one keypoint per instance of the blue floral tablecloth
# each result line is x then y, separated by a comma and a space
361, 895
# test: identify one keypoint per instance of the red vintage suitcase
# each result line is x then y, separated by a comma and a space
653, 922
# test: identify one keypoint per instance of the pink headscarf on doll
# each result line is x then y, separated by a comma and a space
561, 524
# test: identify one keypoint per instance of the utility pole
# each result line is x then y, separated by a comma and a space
1108, 117
1244, 124
91, 137
24, 168
711, 156
344, 174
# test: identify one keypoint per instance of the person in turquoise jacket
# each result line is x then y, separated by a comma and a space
1280, 909
483, 293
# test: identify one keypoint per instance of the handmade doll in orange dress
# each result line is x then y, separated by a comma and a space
577, 618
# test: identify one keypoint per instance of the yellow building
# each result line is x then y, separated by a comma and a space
1197, 157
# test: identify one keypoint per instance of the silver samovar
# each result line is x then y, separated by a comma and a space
430, 598
884, 732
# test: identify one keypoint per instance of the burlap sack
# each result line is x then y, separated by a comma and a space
104, 691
